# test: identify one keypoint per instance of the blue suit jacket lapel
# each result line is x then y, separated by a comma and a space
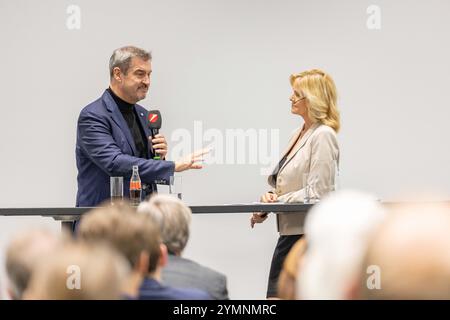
117, 117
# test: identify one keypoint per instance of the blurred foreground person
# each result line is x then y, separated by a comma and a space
287, 283
24, 253
409, 256
79, 272
337, 232
137, 238
173, 218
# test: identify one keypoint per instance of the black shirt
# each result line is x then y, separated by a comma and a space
280, 165
131, 118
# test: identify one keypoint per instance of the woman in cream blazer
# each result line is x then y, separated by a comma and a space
313, 150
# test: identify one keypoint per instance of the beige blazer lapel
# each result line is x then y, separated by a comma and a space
276, 169
301, 144
291, 143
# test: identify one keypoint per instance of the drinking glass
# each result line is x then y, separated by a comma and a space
175, 186
116, 185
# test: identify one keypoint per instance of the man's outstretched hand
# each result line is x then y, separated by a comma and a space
191, 161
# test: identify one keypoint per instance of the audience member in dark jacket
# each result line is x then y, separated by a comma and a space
173, 218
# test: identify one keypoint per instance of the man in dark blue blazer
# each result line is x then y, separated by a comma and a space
113, 136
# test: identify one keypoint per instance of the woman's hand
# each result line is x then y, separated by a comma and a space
269, 197
258, 217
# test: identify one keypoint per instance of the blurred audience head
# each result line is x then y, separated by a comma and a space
287, 282
23, 253
409, 256
337, 232
133, 235
173, 218
79, 272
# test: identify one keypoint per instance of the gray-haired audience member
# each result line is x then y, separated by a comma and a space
173, 218
23, 253
409, 256
337, 232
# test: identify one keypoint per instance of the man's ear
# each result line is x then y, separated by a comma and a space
117, 74
163, 255
142, 264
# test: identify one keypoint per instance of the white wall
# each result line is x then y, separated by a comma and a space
227, 64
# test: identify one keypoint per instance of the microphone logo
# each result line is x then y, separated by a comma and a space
152, 118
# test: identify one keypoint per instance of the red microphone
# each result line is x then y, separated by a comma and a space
154, 124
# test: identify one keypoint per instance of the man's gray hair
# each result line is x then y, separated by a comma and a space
173, 218
121, 58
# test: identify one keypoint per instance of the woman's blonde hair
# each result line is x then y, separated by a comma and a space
319, 89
